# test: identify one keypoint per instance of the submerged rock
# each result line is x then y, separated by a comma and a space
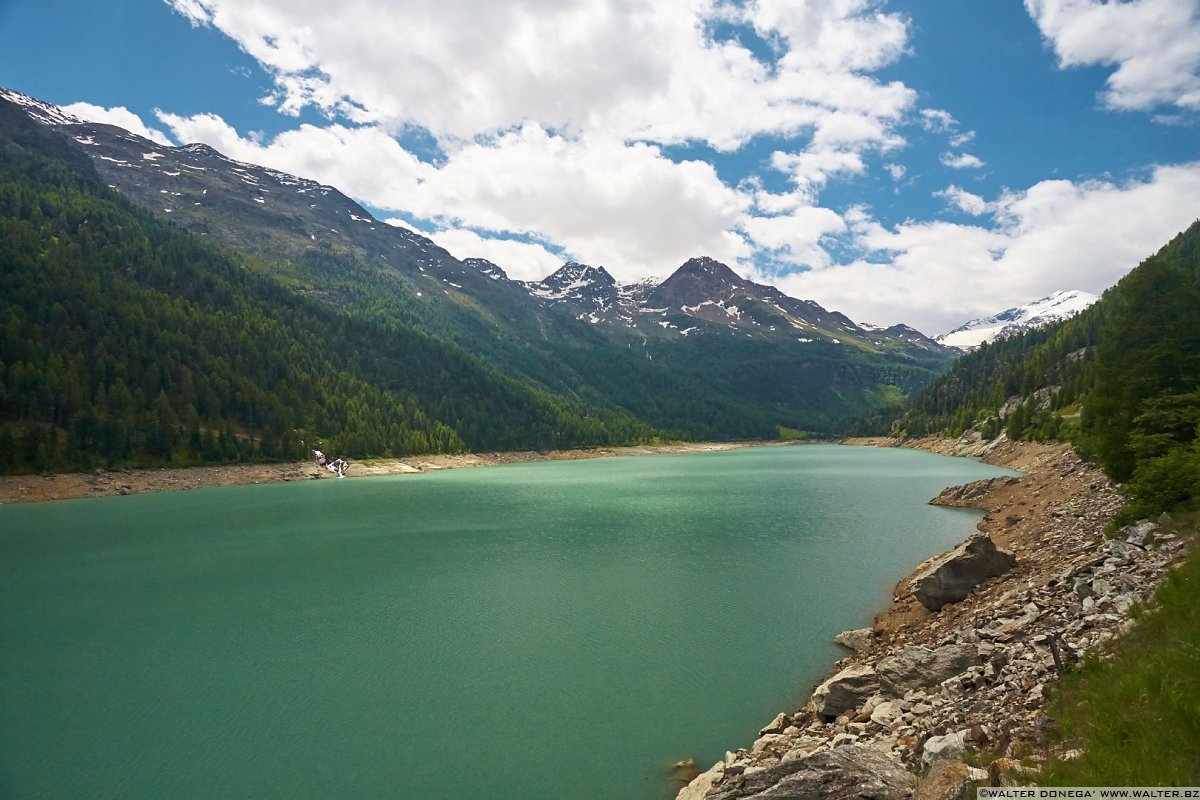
953, 576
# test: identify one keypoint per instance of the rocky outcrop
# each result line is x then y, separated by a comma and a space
847, 689
969, 495
953, 576
846, 773
974, 676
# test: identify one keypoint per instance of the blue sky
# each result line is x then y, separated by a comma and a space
907, 160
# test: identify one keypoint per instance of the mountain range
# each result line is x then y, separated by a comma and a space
704, 353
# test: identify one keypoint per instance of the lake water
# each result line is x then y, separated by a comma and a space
539, 630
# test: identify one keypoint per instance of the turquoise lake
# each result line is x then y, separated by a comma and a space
540, 630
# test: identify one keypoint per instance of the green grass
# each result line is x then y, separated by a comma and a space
1136, 716
787, 434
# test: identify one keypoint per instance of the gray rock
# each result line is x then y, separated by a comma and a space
856, 640
849, 772
847, 689
949, 746
886, 713
1139, 533
916, 667
954, 575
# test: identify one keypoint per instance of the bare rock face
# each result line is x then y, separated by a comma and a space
953, 576
847, 689
916, 667
851, 772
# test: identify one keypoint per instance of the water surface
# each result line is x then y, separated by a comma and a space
541, 630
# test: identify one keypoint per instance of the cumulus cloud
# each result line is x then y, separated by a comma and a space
640, 69
121, 117
1153, 44
795, 238
961, 161
1055, 235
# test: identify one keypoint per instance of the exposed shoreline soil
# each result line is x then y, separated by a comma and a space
924, 688
98, 483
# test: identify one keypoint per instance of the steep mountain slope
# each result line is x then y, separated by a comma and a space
127, 341
1054, 308
581, 337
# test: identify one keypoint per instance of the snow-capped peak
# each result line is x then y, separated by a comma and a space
42, 112
1053, 308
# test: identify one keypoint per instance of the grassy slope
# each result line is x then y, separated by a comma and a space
1136, 716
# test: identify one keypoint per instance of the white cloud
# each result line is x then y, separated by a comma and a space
119, 116
1055, 235
811, 169
963, 200
961, 161
962, 139
795, 238
1154, 45
636, 68
937, 120
897, 171
520, 260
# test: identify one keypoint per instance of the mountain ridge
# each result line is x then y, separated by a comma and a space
1062, 304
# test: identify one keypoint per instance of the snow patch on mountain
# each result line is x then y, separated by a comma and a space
1045, 311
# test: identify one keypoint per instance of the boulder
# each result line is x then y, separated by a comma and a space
886, 713
1140, 533
847, 689
702, 783
850, 772
916, 667
776, 725
856, 640
953, 576
937, 748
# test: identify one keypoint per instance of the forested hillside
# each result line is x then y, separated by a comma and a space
128, 341
1121, 380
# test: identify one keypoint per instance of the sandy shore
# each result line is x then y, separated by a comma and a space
32, 488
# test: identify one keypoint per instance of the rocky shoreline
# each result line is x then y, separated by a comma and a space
934, 680
101, 482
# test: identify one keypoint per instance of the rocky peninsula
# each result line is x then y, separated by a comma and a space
961, 660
